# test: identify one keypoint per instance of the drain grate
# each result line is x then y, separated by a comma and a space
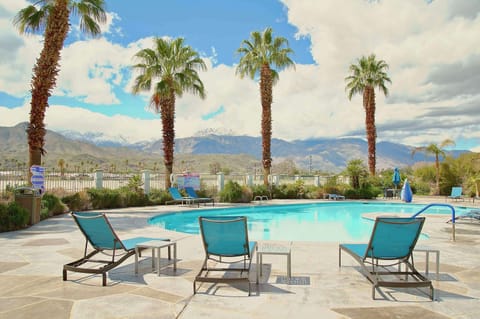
294, 280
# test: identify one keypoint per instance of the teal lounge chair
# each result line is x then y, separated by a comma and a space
179, 198
456, 193
391, 244
225, 240
473, 215
191, 193
102, 238
336, 197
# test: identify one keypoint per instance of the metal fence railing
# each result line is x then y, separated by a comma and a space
71, 182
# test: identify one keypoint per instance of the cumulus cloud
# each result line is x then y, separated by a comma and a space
434, 64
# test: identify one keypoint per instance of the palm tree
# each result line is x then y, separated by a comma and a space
438, 151
61, 165
174, 65
258, 55
357, 170
52, 17
365, 77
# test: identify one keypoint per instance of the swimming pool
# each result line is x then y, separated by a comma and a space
328, 222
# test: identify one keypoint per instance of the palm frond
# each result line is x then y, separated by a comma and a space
31, 19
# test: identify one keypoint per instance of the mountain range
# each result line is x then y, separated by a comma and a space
238, 153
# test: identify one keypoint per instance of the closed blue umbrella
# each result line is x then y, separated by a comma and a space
396, 177
396, 180
407, 194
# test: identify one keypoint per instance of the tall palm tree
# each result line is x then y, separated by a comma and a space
357, 170
61, 164
174, 66
437, 150
258, 55
364, 78
52, 18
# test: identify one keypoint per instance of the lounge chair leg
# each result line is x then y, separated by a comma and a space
64, 275
339, 257
104, 279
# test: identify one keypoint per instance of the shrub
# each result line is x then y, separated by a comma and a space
53, 204
313, 192
105, 198
260, 190
77, 202
133, 197
235, 193
13, 217
368, 192
158, 197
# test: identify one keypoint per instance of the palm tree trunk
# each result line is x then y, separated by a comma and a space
266, 97
168, 125
44, 78
369, 105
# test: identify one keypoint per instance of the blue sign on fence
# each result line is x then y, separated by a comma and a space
189, 180
38, 178
37, 170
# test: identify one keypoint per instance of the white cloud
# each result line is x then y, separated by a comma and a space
112, 126
11, 117
90, 69
427, 103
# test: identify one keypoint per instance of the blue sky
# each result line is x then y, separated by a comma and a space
434, 64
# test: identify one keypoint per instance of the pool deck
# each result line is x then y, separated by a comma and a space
31, 283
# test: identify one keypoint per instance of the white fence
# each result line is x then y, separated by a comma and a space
75, 182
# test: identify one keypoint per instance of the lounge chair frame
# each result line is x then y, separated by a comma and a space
115, 253
203, 200
456, 193
212, 258
179, 199
377, 268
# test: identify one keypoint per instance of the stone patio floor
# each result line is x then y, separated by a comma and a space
31, 283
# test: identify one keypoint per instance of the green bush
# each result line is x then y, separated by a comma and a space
118, 198
77, 202
313, 192
53, 205
368, 192
260, 190
289, 191
105, 198
13, 217
235, 193
158, 197
133, 197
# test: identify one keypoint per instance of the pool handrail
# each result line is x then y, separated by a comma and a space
442, 205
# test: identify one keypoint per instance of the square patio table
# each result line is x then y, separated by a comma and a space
266, 248
156, 245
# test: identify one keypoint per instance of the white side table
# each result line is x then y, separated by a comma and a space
427, 251
156, 245
274, 249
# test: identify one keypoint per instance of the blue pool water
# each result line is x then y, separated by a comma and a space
330, 222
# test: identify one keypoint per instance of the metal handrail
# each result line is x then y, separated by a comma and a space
442, 205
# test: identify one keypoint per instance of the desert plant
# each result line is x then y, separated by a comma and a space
169, 70
77, 202
13, 217
260, 55
104, 198
365, 76
53, 204
158, 196
233, 192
